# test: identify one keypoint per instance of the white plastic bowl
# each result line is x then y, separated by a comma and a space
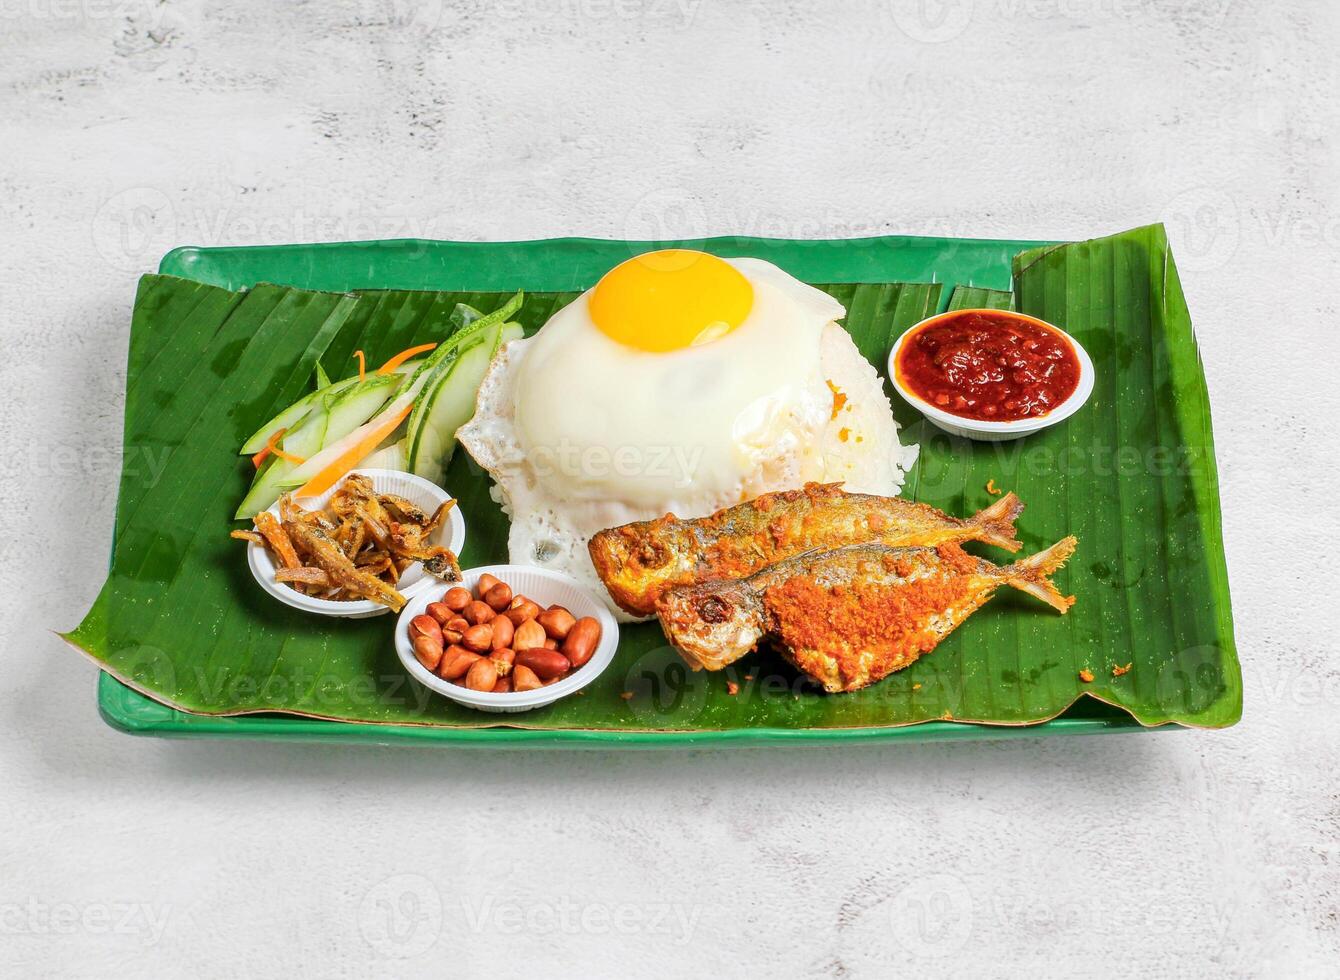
982, 430
545, 588
417, 490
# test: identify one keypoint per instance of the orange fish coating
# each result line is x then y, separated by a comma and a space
849, 616
638, 562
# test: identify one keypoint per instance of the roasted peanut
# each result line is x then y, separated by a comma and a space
457, 598
503, 631
458, 623
521, 609
550, 643
428, 651
504, 686
481, 676
425, 626
455, 662
582, 641
547, 664
502, 662
556, 621
524, 679
478, 612
486, 582
499, 596
528, 634
440, 611
478, 638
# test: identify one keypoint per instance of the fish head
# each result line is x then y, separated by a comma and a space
638, 561
711, 625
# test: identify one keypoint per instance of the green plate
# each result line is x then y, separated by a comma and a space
573, 264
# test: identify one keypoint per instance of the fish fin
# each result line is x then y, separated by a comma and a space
1031, 574
995, 524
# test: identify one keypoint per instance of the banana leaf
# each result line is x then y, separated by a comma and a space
1132, 476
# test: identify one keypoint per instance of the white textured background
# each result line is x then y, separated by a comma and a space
130, 126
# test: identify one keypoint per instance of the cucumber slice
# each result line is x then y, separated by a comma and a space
336, 416
353, 408
448, 402
390, 457
299, 410
472, 325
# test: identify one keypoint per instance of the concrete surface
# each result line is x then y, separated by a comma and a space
130, 126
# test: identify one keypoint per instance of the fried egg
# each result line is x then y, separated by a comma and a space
681, 383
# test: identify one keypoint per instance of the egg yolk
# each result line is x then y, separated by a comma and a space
671, 299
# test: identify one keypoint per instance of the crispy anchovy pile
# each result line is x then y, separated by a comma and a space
356, 547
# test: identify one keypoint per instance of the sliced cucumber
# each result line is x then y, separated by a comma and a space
472, 324
336, 416
388, 457
299, 410
355, 407
448, 402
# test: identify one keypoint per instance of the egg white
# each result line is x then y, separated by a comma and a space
581, 433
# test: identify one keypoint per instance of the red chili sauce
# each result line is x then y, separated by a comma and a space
989, 365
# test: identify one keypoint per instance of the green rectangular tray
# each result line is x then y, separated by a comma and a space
574, 264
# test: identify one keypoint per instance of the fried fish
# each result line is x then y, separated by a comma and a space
849, 616
637, 562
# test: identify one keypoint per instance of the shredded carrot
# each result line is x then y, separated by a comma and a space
404, 356
992, 489
260, 457
272, 446
362, 365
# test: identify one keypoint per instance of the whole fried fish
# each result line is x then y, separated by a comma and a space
853, 615
637, 562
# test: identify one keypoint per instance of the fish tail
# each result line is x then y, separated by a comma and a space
1031, 574
995, 524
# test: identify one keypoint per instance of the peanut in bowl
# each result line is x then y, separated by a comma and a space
489, 637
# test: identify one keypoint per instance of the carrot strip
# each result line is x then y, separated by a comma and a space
354, 455
362, 365
404, 356
275, 436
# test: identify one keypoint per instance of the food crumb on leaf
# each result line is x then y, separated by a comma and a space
916, 686
1086, 675
1117, 671
627, 695
992, 489
732, 688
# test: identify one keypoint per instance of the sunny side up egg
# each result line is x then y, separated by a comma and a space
681, 383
